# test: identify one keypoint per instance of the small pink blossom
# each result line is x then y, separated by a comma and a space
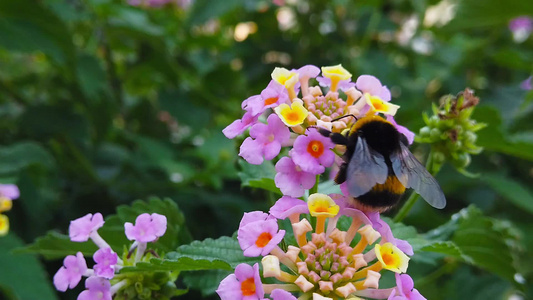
106, 261
259, 237
287, 206
273, 95
81, 228
308, 71
265, 140
98, 288
312, 152
291, 180
69, 275
405, 289
244, 284
9, 191
254, 216
240, 125
147, 228
521, 28
371, 85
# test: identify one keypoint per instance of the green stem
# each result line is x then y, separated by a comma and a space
408, 205
314, 189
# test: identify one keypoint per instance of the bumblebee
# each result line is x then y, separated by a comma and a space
378, 166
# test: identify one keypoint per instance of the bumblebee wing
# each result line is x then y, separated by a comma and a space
366, 168
412, 174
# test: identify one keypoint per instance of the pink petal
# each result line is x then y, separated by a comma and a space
229, 288
271, 150
251, 151
10, 191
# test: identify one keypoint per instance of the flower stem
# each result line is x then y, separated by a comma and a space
314, 189
116, 287
408, 205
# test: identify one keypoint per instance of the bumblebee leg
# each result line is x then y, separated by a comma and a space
335, 137
341, 175
338, 139
324, 132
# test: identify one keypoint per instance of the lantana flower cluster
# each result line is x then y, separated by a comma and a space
326, 261
8, 193
293, 109
104, 280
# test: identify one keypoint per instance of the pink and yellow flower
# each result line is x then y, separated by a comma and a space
312, 152
292, 115
244, 284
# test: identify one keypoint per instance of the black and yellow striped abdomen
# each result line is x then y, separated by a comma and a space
383, 195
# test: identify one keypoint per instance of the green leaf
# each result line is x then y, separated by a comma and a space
509, 189
495, 138
36, 123
490, 243
22, 276
447, 248
487, 13
176, 264
205, 10
21, 155
205, 281
259, 176
91, 76
222, 249
56, 246
29, 26
423, 243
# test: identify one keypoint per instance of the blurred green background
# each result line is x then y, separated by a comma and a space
102, 103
